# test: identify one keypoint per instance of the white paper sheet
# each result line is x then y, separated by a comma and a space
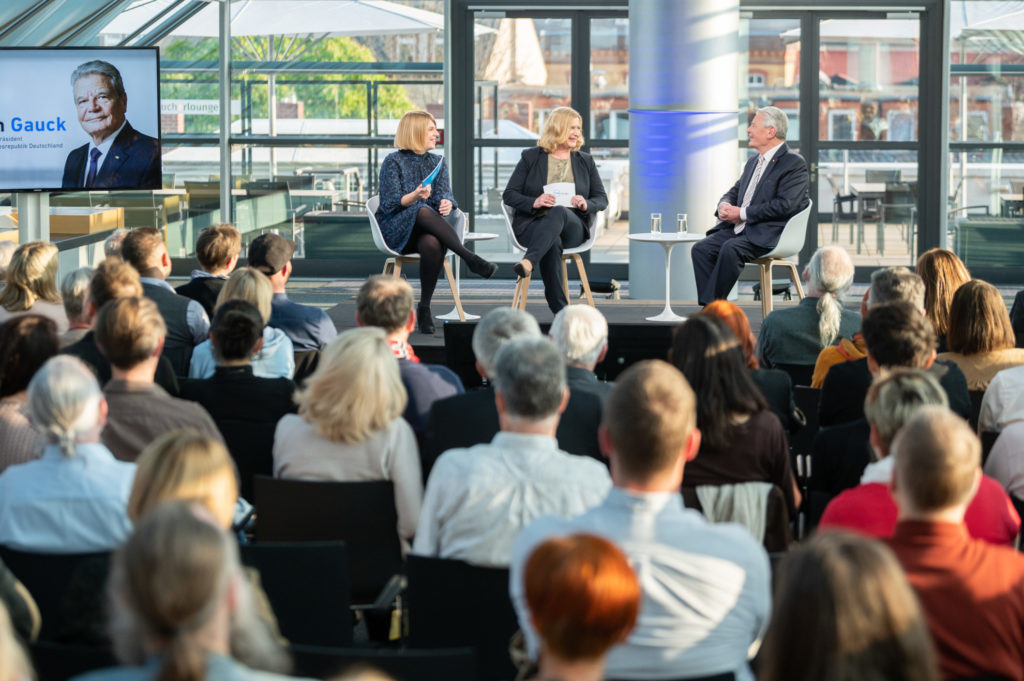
563, 191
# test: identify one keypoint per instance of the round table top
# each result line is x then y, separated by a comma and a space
480, 236
665, 237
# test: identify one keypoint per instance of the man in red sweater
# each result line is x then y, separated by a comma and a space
972, 592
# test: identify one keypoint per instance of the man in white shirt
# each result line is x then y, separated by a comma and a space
706, 588
479, 498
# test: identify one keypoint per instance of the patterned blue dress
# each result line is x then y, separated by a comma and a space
400, 173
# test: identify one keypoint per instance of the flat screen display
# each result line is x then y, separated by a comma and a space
79, 118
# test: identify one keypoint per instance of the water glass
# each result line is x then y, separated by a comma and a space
681, 222
656, 223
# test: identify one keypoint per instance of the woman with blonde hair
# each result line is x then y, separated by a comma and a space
980, 338
275, 357
31, 286
943, 273
350, 426
540, 224
419, 218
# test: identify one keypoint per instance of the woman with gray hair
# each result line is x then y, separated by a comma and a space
73, 499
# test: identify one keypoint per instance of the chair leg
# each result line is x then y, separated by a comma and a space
795, 276
565, 279
455, 291
583, 279
389, 266
765, 272
522, 289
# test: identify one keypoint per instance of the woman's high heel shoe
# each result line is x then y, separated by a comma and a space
481, 267
521, 271
424, 319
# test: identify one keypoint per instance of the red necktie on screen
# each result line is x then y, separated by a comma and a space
94, 155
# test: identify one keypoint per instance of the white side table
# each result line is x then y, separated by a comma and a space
454, 314
668, 241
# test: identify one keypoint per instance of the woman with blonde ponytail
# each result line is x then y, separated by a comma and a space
72, 500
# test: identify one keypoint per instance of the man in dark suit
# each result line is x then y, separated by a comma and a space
118, 155
752, 215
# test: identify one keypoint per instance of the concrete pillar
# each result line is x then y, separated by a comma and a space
683, 108
33, 216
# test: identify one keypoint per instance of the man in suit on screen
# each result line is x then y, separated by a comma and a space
752, 215
118, 155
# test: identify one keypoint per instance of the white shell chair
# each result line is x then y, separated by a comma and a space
393, 265
523, 285
794, 234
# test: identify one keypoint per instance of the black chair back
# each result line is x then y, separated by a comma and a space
306, 362
778, 535
806, 400
47, 577
308, 587
453, 603
444, 664
988, 439
800, 374
60, 662
361, 514
976, 398
251, 444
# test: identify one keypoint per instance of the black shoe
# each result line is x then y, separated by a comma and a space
425, 319
521, 271
481, 267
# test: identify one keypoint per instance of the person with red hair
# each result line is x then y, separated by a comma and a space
775, 384
583, 598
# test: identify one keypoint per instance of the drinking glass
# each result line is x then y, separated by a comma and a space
656, 223
681, 222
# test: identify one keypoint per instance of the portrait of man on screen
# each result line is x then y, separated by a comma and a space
117, 155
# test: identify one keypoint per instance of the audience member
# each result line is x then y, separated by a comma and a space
349, 425
970, 591
31, 285
844, 610
1005, 463
705, 587
478, 499
130, 333
217, 250
980, 338
308, 327
583, 598
73, 289
1003, 403
580, 333
795, 335
26, 343
943, 273
897, 335
72, 500
742, 440
774, 384
179, 604
7, 249
185, 320
472, 419
275, 358
385, 302
868, 508
112, 244
845, 350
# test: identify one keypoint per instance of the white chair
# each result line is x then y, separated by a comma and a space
523, 285
794, 234
393, 265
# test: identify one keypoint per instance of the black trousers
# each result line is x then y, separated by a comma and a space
545, 238
718, 260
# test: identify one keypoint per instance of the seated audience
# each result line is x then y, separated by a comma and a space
943, 273
897, 335
472, 419
112, 244
706, 588
217, 250
26, 343
7, 249
276, 355
774, 384
478, 499
892, 401
980, 339
186, 321
386, 303
580, 333
113, 279
308, 327
888, 285
795, 335
73, 289
72, 500
180, 607
844, 610
1003, 403
130, 333
970, 590
583, 598
1005, 463
31, 285
350, 428
742, 440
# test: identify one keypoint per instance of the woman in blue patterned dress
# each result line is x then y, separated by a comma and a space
414, 218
